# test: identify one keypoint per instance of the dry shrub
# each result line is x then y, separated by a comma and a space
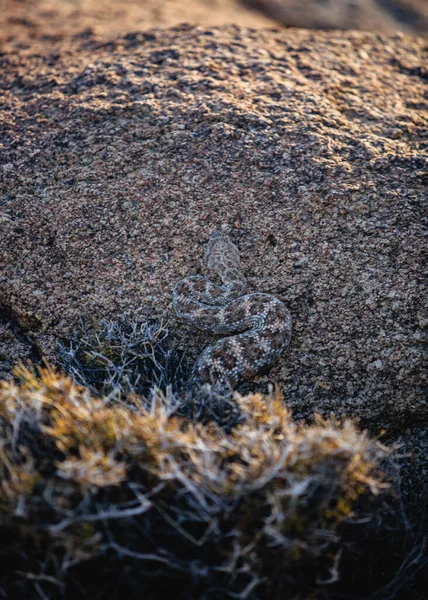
123, 356
236, 513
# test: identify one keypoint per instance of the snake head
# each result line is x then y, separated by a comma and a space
221, 253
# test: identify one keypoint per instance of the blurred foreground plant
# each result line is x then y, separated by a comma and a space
239, 513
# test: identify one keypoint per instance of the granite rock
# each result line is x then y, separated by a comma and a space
120, 157
408, 16
26, 22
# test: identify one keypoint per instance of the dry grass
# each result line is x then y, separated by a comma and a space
89, 477
123, 356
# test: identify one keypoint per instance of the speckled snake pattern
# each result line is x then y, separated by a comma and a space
257, 326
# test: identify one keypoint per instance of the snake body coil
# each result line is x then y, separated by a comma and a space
257, 326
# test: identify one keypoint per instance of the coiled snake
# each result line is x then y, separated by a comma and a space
259, 325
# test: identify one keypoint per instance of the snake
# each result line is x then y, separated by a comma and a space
255, 328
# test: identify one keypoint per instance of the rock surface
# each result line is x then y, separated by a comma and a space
119, 158
14, 347
50, 21
410, 16
22, 22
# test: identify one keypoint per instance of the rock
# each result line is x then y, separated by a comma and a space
120, 158
24, 22
410, 16
414, 462
14, 347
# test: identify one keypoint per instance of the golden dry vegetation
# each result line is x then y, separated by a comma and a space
86, 476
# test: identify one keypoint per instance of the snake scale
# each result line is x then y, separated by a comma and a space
257, 326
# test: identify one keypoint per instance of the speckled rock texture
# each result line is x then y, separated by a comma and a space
119, 158
409, 16
14, 347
